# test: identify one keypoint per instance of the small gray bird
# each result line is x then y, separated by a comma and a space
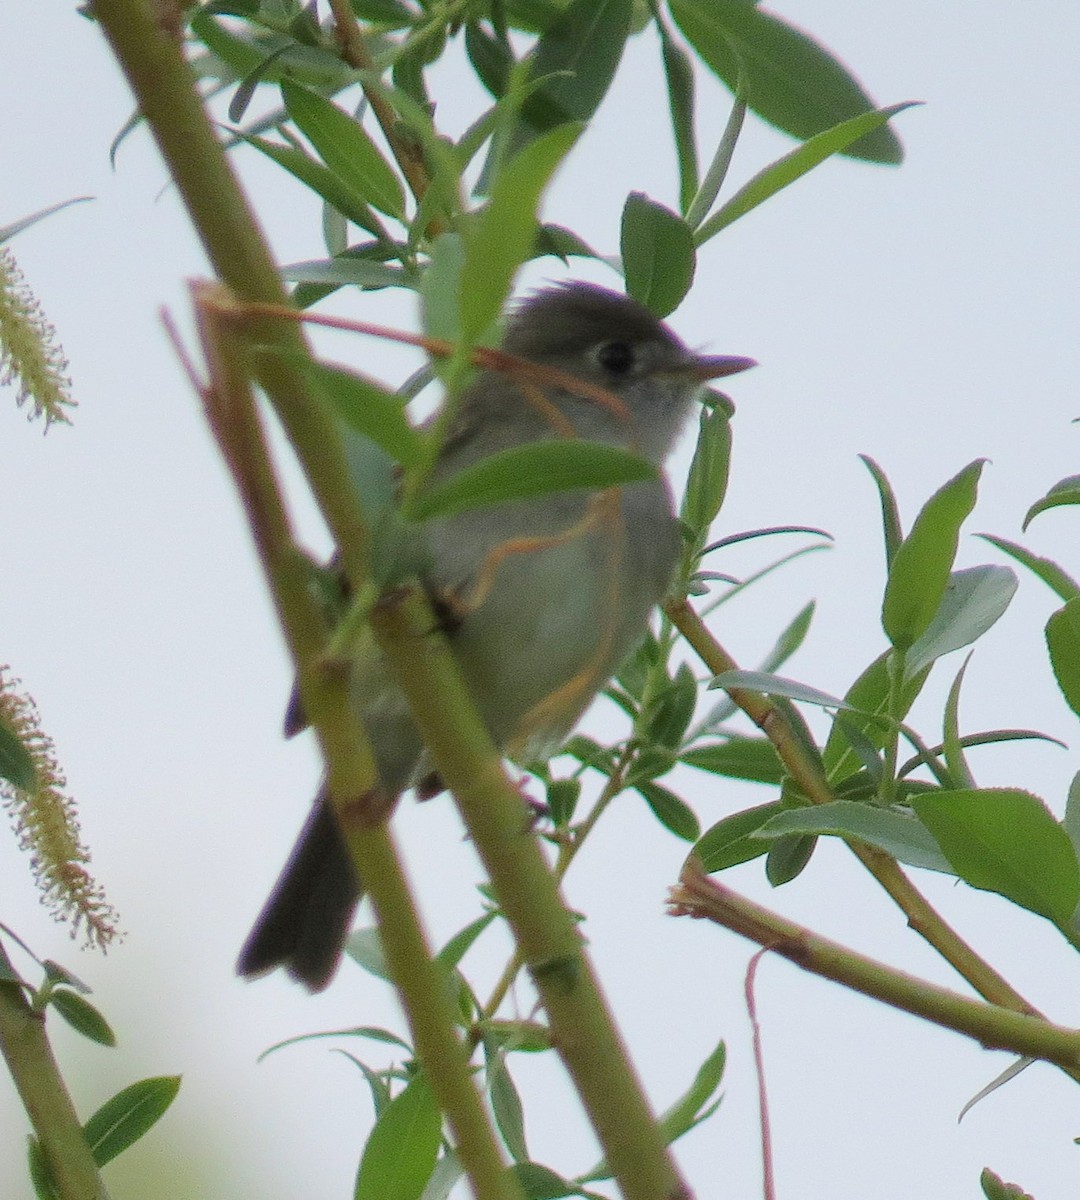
543, 597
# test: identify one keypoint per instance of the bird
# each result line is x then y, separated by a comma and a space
540, 599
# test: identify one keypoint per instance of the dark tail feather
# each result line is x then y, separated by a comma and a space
306, 920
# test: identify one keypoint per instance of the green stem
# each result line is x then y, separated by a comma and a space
921, 915
351, 771
994, 1027
583, 1031
41, 1089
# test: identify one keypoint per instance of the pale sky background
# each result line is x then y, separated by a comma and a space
926, 316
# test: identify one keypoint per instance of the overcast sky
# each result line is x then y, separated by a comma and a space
925, 315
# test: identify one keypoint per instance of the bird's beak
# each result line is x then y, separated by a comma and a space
705, 366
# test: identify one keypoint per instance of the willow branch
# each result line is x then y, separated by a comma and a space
351, 771
45, 1097
920, 913
583, 1031
354, 51
996, 1028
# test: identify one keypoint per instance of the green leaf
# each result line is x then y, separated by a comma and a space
1063, 642
1005, 840
868, 698
343, 144
581, 50
121, 1121
455, 949
730, 842
491, 59
920, 571
562, 799
675, 815
390, 13
657, 253
791, 81
776, 685
243, 54
319, 178
82, 1016
685, 1113
400, 1153
708, 480
795, 165
506, 1105
670, 710
16, 765
365, 406
504, 234
1046, 569
541, 1183
790, 639
561, 243
952, 744
974, 599
348, 270
364, 947
890, 511
1066, 491
751, 758
995, 1188
40, 1175
787, 858
536, 469
371, 1032
1071, 821
7, 232
679, 75
902, 836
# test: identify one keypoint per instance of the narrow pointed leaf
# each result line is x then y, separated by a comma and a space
121, 1121
890, 511
504, 234
1063, 642
343, 144
776, 685
751, 758
319, 178
1064, 492
902, 836
1046, 569
400, 1154
868, 698
581, 50
538, 469
82, 1016
974, 599
708, 480
684, 1113
788, 858
792, 166
506, 1105
791, 81
920, 571
1005, 840
365, 406
730, 842
675, 815
679, 74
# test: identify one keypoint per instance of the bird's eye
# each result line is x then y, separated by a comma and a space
616, 357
